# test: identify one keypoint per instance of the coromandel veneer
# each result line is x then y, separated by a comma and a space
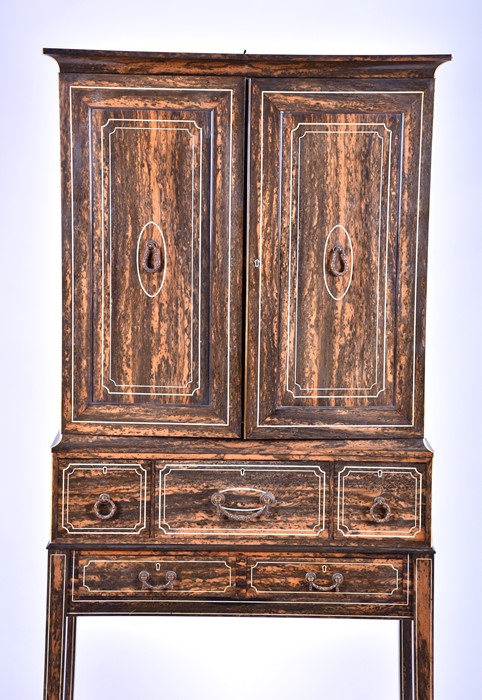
244, 283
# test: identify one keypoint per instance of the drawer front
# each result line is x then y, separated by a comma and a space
103, 498
152, 577
212, 500
333, 581
381, 501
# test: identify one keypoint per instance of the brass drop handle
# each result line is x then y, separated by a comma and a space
380, 511
104, 507
338, 256
151, 260
336, 578
144, 577
266, 499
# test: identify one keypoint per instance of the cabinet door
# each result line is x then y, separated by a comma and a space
337, 257
152, 241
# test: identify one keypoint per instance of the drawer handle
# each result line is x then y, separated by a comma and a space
100, 505
380, 511
144, 577
266, 499
151, 260
336, 578
338, 253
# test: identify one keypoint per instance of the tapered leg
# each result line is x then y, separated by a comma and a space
423, 629
60, 642
70, 632
406, 660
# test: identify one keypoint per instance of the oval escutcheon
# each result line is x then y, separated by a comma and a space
338, 262
151, 259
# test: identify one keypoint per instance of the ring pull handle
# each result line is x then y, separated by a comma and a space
144, 577
338, 257
380, 511
151, 260
104, 507
266, 499
336, 578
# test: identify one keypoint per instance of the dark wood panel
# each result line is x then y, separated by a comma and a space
155, 322
132, 62
337, 355
103, 498
377, 500
153, 577
152, 352
241, 501
334, 580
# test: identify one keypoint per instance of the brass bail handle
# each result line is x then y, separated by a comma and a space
337, 579
144, 577
338, 257
151, 260
266, 500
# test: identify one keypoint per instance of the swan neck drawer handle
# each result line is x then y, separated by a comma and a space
144, 577
338, 256
336, 578
266, 499
380, 511
104, 507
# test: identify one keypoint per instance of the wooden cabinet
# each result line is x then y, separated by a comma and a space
244, 257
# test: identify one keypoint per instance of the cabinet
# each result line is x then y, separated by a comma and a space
244, 275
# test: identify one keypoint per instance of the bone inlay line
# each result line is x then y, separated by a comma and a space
329, 131
122, 127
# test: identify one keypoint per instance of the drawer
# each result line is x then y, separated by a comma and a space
103, 498
381, 501
153, 576
330, 580
234, 500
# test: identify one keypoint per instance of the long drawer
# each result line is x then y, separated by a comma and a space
329, 580
153, 577
226, 500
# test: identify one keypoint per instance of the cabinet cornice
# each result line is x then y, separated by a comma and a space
249, 65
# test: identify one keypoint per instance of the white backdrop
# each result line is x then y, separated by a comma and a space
185, 658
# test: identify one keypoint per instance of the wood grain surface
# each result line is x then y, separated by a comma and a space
80, 487
115, 576
293, 192
332, 357
145, 63
364, 580
403, 512
185, 510
152, 352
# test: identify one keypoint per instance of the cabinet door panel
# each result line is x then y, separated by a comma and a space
337, 241
155, 256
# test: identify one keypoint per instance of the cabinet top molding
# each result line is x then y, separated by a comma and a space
153, 63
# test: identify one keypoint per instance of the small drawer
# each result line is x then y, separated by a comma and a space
103, 498
219, 500
330, 580
153, 577
381, 501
